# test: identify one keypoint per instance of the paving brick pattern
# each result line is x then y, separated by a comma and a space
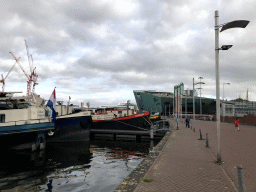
185, 164
237, 148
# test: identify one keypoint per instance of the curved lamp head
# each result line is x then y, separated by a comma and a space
234, 24
199, 83
225, 47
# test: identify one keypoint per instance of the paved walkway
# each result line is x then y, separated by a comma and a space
185, 164
237, 148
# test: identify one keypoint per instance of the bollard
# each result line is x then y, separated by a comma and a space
114, 136
191, 127
151, 133
241, 186
151, 145
194, 130
200, 134
207, 141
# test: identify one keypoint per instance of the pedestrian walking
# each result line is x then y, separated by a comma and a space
237, 124
187, 122
177, 122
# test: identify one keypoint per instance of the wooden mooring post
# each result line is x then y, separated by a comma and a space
151, 133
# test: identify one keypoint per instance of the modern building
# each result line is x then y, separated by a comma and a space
162, 102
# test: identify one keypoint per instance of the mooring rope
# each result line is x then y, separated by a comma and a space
134, 126
150, 123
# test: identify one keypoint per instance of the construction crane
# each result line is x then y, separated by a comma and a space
4, 78
33, 76
29, 78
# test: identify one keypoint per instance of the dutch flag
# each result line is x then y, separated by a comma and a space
52, 103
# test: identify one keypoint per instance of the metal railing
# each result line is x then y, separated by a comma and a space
25, 122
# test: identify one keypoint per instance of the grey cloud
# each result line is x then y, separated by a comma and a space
143, 43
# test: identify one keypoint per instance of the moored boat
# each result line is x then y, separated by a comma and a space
155, 116
23, 125
131, 122
69, 126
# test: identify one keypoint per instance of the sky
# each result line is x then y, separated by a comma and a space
100, 51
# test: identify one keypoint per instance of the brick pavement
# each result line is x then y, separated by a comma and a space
185, 164
237, 148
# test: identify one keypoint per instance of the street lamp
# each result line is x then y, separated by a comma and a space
200, 93
223, 105
232, 24
223, 90
194, 100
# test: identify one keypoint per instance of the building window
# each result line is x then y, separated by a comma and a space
2, 118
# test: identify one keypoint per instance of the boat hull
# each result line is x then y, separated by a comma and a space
71, 129
137, 122
26, 136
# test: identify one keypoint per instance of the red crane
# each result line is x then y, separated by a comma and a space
29, 78
33, 76
4, 78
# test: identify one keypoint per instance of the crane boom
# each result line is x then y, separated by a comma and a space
30, 65
19, 65
11, 69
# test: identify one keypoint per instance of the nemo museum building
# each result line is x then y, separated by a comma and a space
163, 102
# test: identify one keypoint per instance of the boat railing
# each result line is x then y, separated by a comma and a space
25, 122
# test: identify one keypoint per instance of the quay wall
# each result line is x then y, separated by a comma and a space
132, 180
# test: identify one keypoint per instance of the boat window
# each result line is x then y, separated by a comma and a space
119, 112
2, 118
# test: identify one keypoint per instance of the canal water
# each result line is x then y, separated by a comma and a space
98, 165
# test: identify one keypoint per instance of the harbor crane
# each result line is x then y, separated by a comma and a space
32, 78
28, 77
4, 78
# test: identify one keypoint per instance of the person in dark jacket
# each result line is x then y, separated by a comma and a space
187, 122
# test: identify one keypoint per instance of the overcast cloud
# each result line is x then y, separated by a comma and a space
100, 51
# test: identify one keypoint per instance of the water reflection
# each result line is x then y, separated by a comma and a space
97, 165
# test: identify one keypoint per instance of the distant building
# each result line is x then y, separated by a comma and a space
121, 106
238, 108
162, 102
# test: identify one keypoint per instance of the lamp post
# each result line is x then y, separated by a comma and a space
223, 90
186, 106
68, 104
200, 93
232, 24
223, 105
194, 100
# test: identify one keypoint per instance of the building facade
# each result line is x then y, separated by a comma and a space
163, 103
238, 109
